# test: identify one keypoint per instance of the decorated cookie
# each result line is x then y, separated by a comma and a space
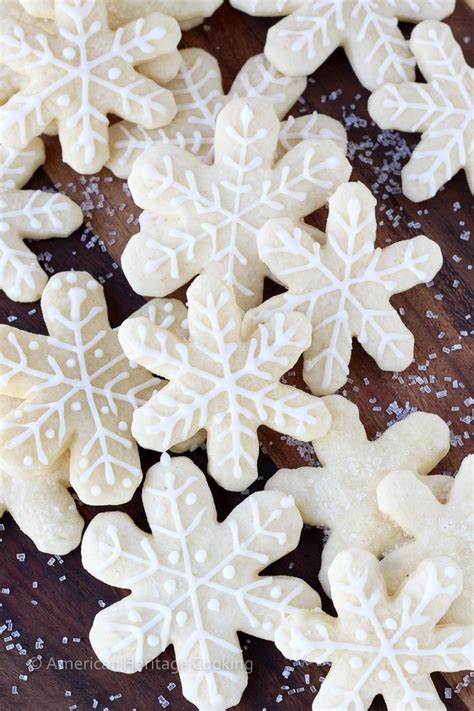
10, 81
200, 97
41, 505
341, 494
28, 214
441, 110
378, 643
367, 29
214, 212
222, 382
436, 529
343, 284
189, 13
186, 590
82, 73
79, 390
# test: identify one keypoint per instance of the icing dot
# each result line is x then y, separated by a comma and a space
56, 284
450, 571
63, 100
181, 618
390, 623
191, 499
228, 572
70, 362
132, 365
18, 413
83, 462
122, 426
71, 278
98, 352
127, 483
275, 591
105, 409
33, 345
168, 307
96, 490
287, 502
214, 604
76, 406
113, 73
384, 675
173, 557
92, 285
50, 434
411, 642
355, 662
361, 635
153, 640
411, 666
200, 555
27, 461
134, 616
69, 52
170, 586
267, 626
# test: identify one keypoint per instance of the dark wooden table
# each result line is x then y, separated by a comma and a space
47, 604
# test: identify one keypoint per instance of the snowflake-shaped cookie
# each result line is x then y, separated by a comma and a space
28, 214
189, 13
79, 390
341, 495
82, 73
41, 505
343, 284
222, 382
214, 212
436, 529
379, 644
200, 97
442, 110
194, 582
367, 29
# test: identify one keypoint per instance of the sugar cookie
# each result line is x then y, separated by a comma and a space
194, 582
189, 13
222, 383
81, 73
441, 110
343, 284
32, 214
78, 389
200, 97
367, 29
381, 644
341, 494
40, 504
436, 529
213, 213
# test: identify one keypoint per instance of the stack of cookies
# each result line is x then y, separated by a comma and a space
227, 184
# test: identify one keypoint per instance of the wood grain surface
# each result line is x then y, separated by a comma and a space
47, 604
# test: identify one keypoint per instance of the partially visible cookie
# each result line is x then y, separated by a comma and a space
341, 494
40, 504
368, 31
194, 582
442, 110
434, 529
31, 214
343, 283
81, 73
380, 643
78, 390
222, 382
200, 97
